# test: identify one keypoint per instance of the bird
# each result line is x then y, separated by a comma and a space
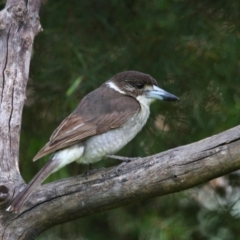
105, 120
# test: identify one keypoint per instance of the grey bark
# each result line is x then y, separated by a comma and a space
19, 23
171, 171
164, 173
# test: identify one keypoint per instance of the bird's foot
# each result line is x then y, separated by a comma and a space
124, 159
121, 158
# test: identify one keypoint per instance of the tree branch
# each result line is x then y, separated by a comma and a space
19, 23
157, 175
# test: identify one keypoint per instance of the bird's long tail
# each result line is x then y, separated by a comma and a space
50, 167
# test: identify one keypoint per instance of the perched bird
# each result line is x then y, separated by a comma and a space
104, 122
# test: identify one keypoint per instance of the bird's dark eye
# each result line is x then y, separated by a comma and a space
139, 85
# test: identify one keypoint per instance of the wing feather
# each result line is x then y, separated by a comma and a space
90, 118
76, 129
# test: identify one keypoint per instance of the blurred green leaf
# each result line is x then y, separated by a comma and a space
74, 86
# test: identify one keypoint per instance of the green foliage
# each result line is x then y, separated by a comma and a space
191, 47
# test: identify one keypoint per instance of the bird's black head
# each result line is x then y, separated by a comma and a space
139, 85
133, 83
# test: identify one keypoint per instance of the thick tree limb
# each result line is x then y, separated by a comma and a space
19, 23
157, 175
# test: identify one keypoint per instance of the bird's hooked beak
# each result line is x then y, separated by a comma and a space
158, 93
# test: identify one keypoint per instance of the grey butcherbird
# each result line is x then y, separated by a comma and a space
104, 122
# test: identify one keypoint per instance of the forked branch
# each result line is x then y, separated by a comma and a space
171, 171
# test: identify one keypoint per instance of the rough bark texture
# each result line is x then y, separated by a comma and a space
72, 198
19, 23
157, 175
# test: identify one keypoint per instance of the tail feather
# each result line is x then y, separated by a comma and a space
22, 197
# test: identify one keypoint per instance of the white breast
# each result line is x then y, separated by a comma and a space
111, 142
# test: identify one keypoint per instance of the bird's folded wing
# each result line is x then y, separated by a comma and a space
76, 128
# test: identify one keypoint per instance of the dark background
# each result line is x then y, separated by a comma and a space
192, 48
